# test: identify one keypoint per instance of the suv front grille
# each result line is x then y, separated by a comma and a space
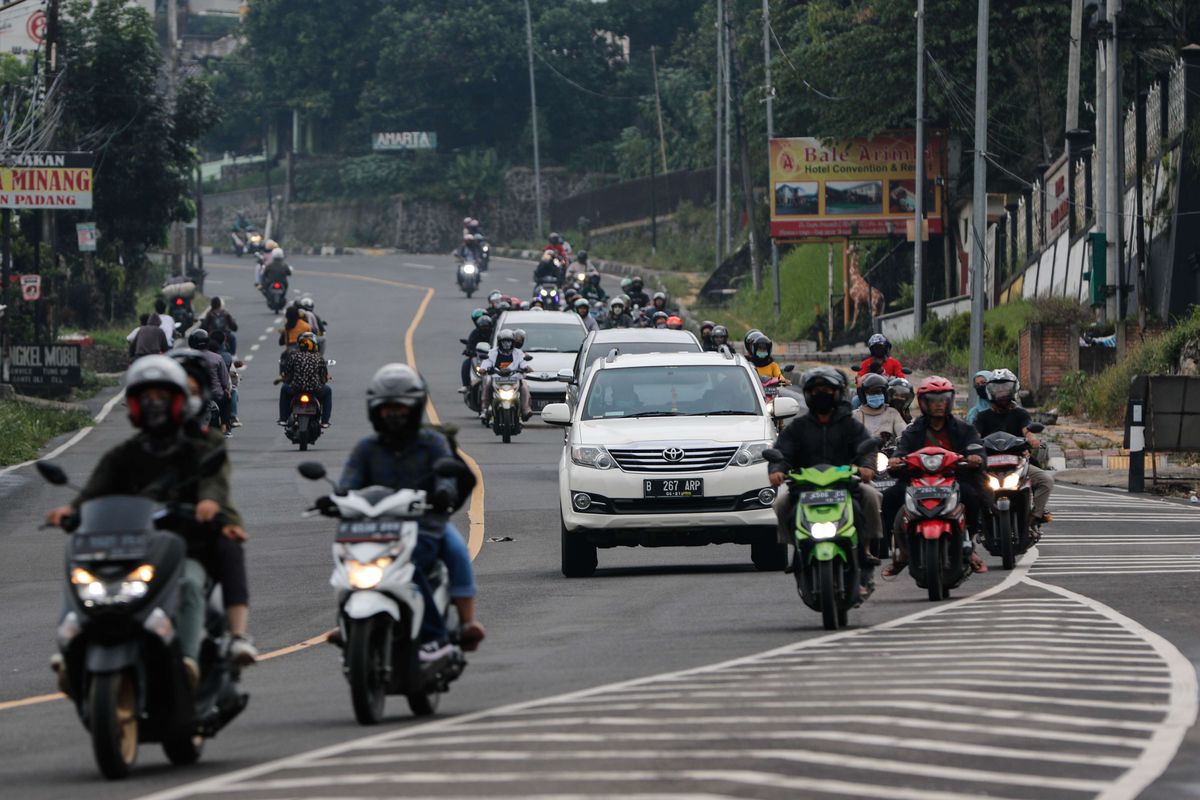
694, 459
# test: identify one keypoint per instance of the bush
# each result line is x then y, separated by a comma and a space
27, 427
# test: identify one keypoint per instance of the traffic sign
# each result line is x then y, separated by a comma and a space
87, 235
31, 287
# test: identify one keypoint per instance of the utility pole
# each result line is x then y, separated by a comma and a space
1116, 147
728, 56
919, 225
662, 140
747, 181
718, 111
770, 89
1101, 193
979, 198
537, 158
1073, 67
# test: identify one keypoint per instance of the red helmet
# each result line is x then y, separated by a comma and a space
935, 385
675, 323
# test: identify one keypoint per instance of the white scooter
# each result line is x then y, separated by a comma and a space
379, 604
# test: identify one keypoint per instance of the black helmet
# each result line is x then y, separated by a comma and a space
581, 256
636, 284
750, 336
505, 340
761, 347
823, 376
397, 384
900, 394
871, 381
709, 324
484, 322
555, 238
879, 346
198, 339
719, 332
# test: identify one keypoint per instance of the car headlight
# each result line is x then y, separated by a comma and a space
368, 575
468, 269
594, 457
751, 452
823, 530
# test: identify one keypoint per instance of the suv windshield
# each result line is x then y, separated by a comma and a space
602, 349
540, 338
671, 392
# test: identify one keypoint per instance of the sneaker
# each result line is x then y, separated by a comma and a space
282, 423
432, 652
463, 390
193, 671
59, 667
470, 635
324, 425
242, 651
235, 422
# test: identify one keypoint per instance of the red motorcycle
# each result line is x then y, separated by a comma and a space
933, 523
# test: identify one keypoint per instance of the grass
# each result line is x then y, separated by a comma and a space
944, 345
25, 428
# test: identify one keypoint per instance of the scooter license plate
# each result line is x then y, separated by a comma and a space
1003, 461
305, 411
931, 493
108, 546
359, 530
828, 497
673, 487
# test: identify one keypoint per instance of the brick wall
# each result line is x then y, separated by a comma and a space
1025, 358
1060, 353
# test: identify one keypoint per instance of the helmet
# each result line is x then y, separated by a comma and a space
1003, 386
763, 343
277, 254
617, 303
271, 245
719, 335
307, 341
582, 303
707, 324
822, 376
878, 340
484, 322
674, 323
935, 387
899, 393
494, 297
536, 304
466, 222
659, 296
593, 276
504, 305
581, 256
524, 305
555, 239
750, 336
396, 384
626, 283
659, 316
156, 372
869, 383
306, 303
198, 339
195, 366
476, 314
519, 338
482, 349
636, 283
505, 340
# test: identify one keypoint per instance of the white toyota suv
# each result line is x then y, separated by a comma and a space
667, 449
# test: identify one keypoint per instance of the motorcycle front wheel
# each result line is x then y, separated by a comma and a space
184, 750
1004, 532
113, 713
828, 593
932, 558
367, 643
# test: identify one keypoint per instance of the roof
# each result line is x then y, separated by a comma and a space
643, 335
672, 360
521, 318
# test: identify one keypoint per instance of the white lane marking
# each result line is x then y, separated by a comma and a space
74, 440
417, 266
1155, 571
512, 280
254, 347
248, 359
272, 329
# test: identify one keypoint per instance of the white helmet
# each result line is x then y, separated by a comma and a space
1003, 383
306, 303
277, 254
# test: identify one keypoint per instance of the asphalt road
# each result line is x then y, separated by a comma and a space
672, 672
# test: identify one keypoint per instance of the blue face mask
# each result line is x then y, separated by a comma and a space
875, 400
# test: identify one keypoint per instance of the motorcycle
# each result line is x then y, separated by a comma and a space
473, 397
276, 293
468, 277
242, 239
379, 604
770, 390
933, 523
121, 663
826, 559
178, 291
485, 252
504, 416
1008, 499
255, 243
547, 292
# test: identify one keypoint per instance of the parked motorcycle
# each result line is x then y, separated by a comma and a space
379, 604
504, 416
121, 664
825, 562
1008, 499
276, 293
468, 277
547, 292
933, 523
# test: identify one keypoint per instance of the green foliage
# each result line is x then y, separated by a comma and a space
944, 344
1072, 394
475, 176
25, 428
1059, 311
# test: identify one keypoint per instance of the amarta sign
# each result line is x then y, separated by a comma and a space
47, 180
855, 187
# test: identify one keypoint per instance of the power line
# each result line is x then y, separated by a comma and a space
583, 88
803, 80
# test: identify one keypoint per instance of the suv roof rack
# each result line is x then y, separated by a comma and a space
612, 355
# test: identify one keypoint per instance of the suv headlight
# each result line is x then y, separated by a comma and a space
751, 453
594, 457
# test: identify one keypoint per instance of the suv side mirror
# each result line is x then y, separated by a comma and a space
785, 407
566, 376
557, 414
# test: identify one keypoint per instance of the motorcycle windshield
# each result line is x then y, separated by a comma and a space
117, 513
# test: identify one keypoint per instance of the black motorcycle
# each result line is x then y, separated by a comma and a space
468, 276
276, 290
504, 416
1008, 497
121, 663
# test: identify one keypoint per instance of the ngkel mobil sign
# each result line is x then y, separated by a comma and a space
46, 181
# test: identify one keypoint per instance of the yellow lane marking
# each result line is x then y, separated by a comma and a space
31, 701
307, 643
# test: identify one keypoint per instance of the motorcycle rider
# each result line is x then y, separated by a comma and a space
1005, 415
547, 270
936, 427
305, 371
584, 309
560, 246
828, 434
719, 338
228, 564
618, 315
982, 403
637, 293
880, 361
706, 329
659, 302
294, 326
306, 306
658, 320
900, 397
505, 355
591, 288
764, 363
494, 299
482, 332
218, 318
401, 455
156, 462
874, 413
470, 249
218, 376
275, 269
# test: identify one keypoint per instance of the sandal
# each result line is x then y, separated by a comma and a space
893, 569
977, 564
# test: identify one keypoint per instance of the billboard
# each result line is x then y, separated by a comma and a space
47, 181
855, 187
405, 140
44, 365
23, 27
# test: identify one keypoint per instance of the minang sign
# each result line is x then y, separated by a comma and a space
47, 181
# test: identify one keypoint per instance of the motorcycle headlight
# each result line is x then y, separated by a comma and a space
823, 530
751, 453
1012, 481
366, 575
595, 457
487, 248
881, 463
93, 591
932, 462
993, 483
468, 269
506, 394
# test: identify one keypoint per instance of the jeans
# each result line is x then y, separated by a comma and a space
466, 372
450, 549
324, 396
233, 404
189, 618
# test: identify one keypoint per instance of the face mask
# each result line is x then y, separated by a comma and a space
875, 400
821, 402
878, 352
981, 390
761, 354
1004, 400
156, 415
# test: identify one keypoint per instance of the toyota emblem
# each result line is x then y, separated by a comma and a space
672, 454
